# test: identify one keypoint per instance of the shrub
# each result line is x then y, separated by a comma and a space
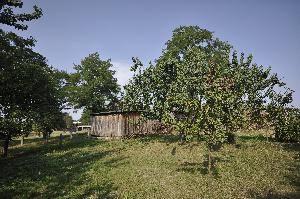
287, 126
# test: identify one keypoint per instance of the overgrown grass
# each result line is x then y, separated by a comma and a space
150, 167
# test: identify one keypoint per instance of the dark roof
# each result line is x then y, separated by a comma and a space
113, 113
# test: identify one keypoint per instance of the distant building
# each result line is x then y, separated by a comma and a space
84, 128
76, 123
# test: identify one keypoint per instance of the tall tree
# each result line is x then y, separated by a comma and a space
196, 88
29, 88
93, 85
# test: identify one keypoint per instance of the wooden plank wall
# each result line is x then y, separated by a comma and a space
120, 124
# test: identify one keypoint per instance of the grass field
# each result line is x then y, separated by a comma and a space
150, 167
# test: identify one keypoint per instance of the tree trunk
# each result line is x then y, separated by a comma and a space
60, 139
22, 140
181, 137
5, 146
45, 136
209, 162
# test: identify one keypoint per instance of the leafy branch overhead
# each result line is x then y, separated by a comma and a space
10, 18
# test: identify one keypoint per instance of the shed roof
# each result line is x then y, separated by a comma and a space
113, 113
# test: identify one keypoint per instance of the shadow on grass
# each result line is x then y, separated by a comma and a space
293, 177
40, 147
245, 138
33, 139
271, 194
201, 168
295, 167
168, 139
53, 170
116, 162
165, 138
102, 191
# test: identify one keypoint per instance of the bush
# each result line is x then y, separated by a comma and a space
287, 126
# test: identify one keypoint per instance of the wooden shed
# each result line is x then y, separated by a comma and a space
119, 124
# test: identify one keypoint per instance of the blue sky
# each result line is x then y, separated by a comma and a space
71, 29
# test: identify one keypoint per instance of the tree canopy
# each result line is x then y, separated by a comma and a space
93, 85
199, 86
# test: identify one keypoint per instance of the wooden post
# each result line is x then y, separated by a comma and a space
46, 137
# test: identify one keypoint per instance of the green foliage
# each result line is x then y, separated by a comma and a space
8, 17
49, 115
68, 121
20, 93
85, 117
93, 85
196, 88
287, 125
30, 90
